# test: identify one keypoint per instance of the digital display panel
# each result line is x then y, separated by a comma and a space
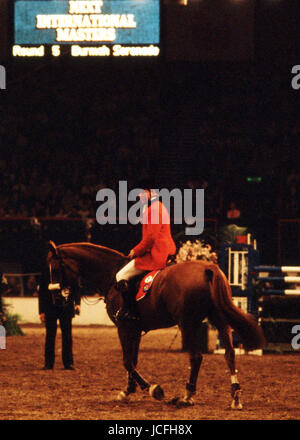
86, 28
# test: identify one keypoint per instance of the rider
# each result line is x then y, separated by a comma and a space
151, 253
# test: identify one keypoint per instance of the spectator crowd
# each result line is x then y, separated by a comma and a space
65, 136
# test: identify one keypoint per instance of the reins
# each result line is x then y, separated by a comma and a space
92, 303
83, 282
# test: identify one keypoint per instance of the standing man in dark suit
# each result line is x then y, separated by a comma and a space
53, 307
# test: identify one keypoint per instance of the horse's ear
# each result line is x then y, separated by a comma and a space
53, 248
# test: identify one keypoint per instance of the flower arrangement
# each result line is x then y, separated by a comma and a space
196, 250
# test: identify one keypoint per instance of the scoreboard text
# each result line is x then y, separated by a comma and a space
86, 28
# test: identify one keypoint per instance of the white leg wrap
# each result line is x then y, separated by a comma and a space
234, 378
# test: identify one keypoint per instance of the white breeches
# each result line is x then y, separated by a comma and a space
129, 271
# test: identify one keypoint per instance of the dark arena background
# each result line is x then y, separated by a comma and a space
198, 94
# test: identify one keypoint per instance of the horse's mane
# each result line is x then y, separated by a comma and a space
96, 265
92, 248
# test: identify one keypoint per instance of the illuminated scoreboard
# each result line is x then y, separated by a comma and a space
86, 28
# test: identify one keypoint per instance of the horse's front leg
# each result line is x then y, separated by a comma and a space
155, 390
130, 337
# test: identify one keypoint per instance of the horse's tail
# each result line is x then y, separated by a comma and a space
250, 333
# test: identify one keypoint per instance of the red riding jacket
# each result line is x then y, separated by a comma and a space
157, 243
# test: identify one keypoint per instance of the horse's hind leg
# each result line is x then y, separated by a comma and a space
195, 362
191, 341
226, 336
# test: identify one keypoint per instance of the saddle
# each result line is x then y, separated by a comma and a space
141, 285
133, 291
144, 284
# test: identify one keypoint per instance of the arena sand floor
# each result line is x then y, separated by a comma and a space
270, 383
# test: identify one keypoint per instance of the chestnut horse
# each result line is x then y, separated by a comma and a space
181, 294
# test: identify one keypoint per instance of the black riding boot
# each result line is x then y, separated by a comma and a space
128, 310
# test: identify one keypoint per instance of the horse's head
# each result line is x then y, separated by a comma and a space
63, 273
86, 265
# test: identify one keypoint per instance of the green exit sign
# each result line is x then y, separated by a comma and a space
254, 179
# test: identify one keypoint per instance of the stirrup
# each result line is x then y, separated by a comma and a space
122, 286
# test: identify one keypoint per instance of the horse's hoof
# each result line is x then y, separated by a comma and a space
182, 403
236, 403
123, 397
156, 392
173, 401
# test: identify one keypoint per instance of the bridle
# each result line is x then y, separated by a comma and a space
62, 290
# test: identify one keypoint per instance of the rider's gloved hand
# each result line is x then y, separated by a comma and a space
131, 254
